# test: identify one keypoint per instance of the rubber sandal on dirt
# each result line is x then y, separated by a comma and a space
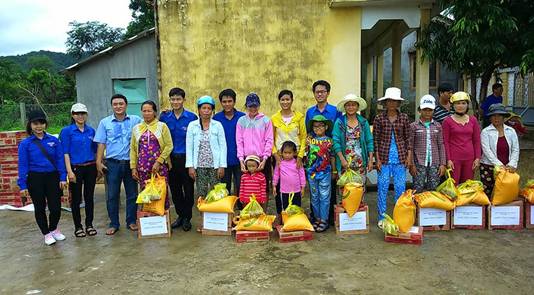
79, 233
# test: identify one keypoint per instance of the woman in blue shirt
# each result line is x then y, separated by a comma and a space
80, 151
42, 175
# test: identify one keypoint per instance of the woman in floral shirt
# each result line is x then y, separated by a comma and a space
353, 140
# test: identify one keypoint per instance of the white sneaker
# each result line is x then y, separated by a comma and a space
49, 239
58, 236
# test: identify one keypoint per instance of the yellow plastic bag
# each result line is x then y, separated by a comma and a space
471, 192
156, 207
224, 205
389, 226
434, 200
404, 211
155, 189
252, 209
528, 191
296, 222
259, 223
294, 218
352, 197
349, 176
218, 192
448, 187
291, 208
506, 187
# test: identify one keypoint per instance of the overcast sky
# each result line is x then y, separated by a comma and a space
31, 25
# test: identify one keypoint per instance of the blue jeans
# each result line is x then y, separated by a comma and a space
398, 173
320, 195
120, 172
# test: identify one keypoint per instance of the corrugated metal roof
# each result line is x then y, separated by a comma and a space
110, 49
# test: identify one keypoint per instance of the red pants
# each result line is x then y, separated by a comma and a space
463, 170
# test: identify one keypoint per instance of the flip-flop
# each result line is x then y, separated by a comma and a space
133, 227
91, 231
111, 231
322, 227
79, 233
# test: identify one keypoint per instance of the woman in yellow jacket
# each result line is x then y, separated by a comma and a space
150, 147
288, 125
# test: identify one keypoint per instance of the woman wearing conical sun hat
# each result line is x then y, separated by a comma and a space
461, 137
353, 140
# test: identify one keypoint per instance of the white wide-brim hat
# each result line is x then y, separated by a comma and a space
392, 93
362, 104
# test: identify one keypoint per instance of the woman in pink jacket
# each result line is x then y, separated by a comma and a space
461, 136
254, 136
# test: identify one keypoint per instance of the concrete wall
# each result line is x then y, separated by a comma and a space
94, 86
259, 45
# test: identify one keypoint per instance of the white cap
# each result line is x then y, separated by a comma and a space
427, 102
78, 108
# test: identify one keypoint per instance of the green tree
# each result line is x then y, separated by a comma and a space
40, 62
11, 76
90, 37
142, 17
475, 37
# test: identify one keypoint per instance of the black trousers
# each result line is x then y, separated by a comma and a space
282, 201
182, 187
232, 172
85, 183
44, 190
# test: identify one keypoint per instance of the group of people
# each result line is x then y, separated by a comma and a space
254, 154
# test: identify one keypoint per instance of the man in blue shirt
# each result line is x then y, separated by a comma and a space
113, 135
181, 184
321, 91
495, 97
228, 118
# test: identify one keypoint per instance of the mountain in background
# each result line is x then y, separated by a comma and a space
61, 60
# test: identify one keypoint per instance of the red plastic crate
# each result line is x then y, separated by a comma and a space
251, 236
413, 237
293, 236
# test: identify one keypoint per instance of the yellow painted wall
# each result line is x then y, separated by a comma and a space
260, 46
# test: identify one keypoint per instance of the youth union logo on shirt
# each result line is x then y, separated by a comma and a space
51, 144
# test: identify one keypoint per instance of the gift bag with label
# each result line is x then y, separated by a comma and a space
404, 211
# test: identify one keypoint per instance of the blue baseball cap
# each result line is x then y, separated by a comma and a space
253, 100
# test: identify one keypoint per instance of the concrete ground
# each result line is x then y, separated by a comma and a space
454, 262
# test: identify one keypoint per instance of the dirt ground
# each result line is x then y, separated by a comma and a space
454, 262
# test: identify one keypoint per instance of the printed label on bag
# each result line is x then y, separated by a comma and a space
215, 221
432, 216
532, 215
505, 215
153, 225
468, 215
357, 222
